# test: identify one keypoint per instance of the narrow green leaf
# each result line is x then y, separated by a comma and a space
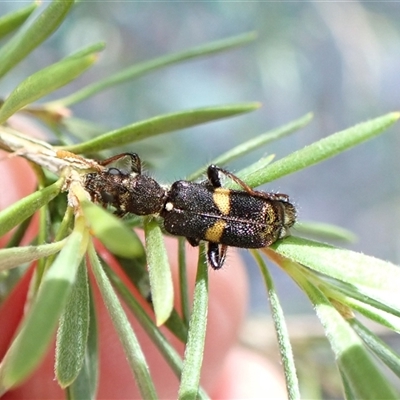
356, 364
85, 385
378, 346
194, 350
345, 294
162, 289
254, 144
375, 314
155, 334
63, 231
22, 209
43, 231
130, 344
352, 358
370, 276
347, 389
183, 281
258, 166
148, 66
81, 129
160, 124
324, 231
73, 331
14, 20
176, 326
373, 308
324, 149
136, 271
41, 320
86, 51
19, 233
44, 82
169, 353
112, 232
27, 40
285, 348
15, 256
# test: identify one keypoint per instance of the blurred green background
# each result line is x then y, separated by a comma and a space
340, 60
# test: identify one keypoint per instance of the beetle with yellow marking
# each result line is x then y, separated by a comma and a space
241, 218
198, 211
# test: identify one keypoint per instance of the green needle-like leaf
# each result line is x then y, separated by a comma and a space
258, 167
183, 281
86, 51
35, 335
371, 277
343, 295
323, 149
169, 353
15, 256
44, 82
14, 20
85, 385
285, 348
352, 358
324, 231
161, 124
194, 350
73, 331
347, 389
148, 66
378, 346
112, 232
19, 233
22, 209
27, 40
133, 351
156, 335
254, 143
162, 289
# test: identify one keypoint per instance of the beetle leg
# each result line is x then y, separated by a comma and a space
213, 175
134, 161
216, 255
193, 241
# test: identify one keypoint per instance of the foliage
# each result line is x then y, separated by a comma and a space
337, 281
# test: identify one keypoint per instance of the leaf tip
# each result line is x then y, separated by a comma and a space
163, 315
396, 115
255, 105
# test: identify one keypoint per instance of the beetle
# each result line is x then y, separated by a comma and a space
223, 217
198, 211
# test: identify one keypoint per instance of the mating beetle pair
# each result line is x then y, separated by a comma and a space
198, 211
